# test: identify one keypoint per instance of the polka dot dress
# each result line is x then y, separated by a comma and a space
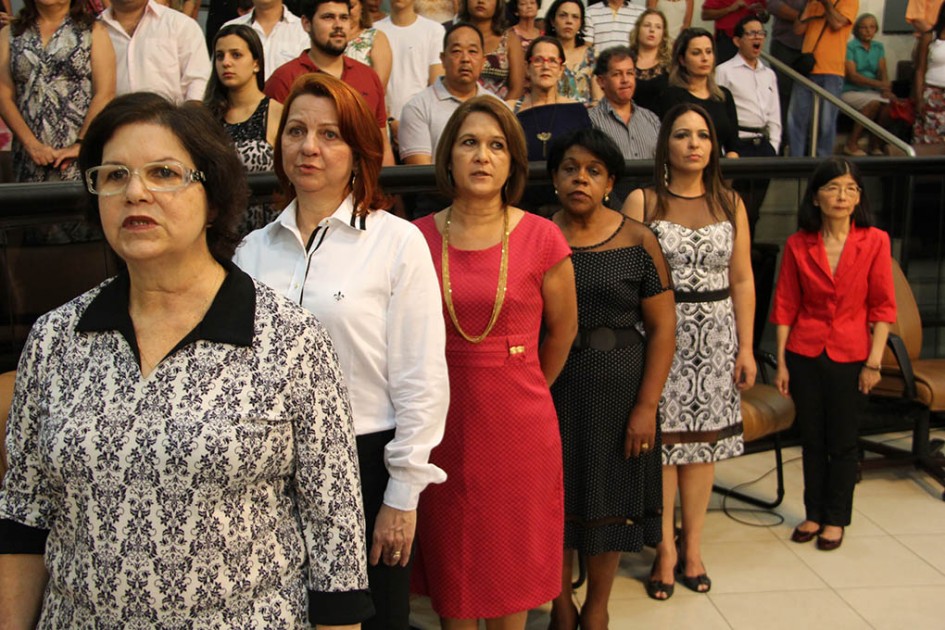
611, 503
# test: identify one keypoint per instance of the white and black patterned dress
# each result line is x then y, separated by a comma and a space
210, 493
700, 411
256, 154
53, 85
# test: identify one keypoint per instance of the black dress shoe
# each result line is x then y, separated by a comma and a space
828, 544
800, 536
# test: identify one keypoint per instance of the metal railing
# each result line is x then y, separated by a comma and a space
846, 108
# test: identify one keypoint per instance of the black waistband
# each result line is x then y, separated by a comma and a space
605, 339
692, 297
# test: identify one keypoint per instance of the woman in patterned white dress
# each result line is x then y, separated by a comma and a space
181, 448
367, 44
703, 230
234, 96
57, 71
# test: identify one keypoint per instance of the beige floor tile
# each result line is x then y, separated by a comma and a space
756, 567
913, 608
929, 547
899, 515
869, 561
788, 610
679, 612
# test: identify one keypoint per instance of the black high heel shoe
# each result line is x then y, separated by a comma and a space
698, 583
654, 587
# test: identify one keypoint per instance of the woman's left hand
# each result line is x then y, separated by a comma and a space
868, 379
641, 432
745, 369
393, 536
65, 156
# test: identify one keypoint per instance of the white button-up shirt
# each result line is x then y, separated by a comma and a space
756, 96
166, 54
285, 41
371, 282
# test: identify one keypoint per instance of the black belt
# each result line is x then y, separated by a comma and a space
761, 131
605, 339
756, 141
701, 296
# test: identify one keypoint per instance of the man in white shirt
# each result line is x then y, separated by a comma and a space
427, 113
609, 22
280, 31
754, 87
416, 43
157, 49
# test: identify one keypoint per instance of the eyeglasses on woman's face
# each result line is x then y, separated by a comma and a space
166, 176
539, 60
834, 190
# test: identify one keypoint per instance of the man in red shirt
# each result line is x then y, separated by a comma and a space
326, 22
726, 14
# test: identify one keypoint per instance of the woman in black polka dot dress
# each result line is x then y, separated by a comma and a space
605, 400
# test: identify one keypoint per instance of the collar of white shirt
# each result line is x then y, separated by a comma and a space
344, 216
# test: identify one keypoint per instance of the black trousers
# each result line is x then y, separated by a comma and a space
788, 55
829, 403
390, 586
753, 191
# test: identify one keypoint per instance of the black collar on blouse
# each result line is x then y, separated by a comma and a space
230, 318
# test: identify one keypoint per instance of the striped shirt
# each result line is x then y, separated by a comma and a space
606, 28
637, 140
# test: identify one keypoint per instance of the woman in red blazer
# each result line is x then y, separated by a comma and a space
833, 307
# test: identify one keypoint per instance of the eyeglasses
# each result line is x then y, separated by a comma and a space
834, 189
551, 62
755, 34
113, 179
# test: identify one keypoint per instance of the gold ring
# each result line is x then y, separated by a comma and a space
645, 446
395, 555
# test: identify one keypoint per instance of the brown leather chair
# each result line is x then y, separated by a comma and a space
7, 379
917, 382
765, 412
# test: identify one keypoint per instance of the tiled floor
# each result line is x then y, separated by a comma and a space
889, 574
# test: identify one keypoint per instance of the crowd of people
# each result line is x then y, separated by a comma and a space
214, 439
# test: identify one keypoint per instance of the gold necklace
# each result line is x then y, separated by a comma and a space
500, 288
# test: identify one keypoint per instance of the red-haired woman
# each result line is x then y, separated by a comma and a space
368, 277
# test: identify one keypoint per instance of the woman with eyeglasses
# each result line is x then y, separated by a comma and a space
544, 112
833, 307
181, 451
565, 20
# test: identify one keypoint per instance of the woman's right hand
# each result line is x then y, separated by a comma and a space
41, 154
782, 380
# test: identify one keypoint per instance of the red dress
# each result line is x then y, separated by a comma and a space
490, 538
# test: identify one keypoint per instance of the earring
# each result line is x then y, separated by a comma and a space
666, 174
607, 198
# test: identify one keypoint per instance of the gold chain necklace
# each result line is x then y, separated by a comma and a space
500, 288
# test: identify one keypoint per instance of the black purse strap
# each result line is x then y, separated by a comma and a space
824, 29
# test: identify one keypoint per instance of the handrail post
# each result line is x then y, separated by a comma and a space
814, 124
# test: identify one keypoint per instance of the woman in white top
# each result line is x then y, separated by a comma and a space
930, 85
368, 277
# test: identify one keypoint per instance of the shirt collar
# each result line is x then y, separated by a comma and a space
609, 109
230, 318
344, 215
738, 60
108, 15
287, 16
443, 94
309, 65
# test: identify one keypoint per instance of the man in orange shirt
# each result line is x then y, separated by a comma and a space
921, 14
826, 26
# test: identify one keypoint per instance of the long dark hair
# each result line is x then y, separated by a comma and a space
216, 97
28, 15
809, 216
679, 74
550, 20
499, 21
720, 198
939, 27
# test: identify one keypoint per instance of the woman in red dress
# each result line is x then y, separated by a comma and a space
486, 535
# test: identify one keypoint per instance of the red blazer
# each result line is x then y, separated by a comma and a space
833, 313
